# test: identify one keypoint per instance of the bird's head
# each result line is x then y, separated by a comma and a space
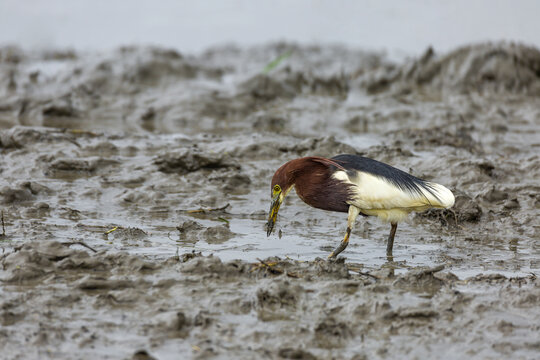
302, 173
282, 183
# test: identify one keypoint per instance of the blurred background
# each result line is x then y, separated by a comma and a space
191, 26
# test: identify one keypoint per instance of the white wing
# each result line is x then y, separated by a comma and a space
377, 196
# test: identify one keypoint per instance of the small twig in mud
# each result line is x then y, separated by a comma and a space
268, 266
271, 267
298, 261
444, 219
82, 244
82, 132
201, 210
431, 270
293, 275
110, 231
3, 225
367, 274
275, 63
358, 270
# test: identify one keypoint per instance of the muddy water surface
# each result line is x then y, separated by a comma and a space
135, 186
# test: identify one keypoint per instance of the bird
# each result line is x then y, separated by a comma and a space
356, 185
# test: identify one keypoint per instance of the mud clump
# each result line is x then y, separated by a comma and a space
150, 71
218, 234
490, 67
427, 138
332, 86
142, 355
277, 300
331, 333
21, 136
11, 54
298, 354
188, 160
129, 235
103, 284
189, 231
323, 146
277, 295
236, 183
192, 302
467, 210
269, 122
12, 195
421, 280
265, 88
287, 84
495, 195
32, 261
80, 165
151, 66
464, 210
214, 267
59, 110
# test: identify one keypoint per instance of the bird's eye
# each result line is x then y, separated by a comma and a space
277, 188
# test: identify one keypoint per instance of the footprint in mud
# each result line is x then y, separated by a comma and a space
277, 300
129, 236
331, 333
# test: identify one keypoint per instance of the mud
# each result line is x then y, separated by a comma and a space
134, 187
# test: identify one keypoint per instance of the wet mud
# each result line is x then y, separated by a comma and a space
134, 187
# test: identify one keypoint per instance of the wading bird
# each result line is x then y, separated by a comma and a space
357, 185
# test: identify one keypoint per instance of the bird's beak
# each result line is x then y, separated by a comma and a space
272, 215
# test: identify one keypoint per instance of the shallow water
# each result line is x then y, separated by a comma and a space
145, 154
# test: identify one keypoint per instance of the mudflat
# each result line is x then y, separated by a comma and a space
135, 184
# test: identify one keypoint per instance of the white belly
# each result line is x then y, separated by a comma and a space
387, 215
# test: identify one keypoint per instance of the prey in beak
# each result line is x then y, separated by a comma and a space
277, 199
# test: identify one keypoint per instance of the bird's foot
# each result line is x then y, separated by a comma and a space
338, 250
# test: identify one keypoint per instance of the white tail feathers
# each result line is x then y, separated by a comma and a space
376, 193
444, 197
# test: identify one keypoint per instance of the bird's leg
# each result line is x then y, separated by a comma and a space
353, 213
390, 244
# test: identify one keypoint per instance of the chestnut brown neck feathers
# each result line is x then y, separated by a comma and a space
314, 184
